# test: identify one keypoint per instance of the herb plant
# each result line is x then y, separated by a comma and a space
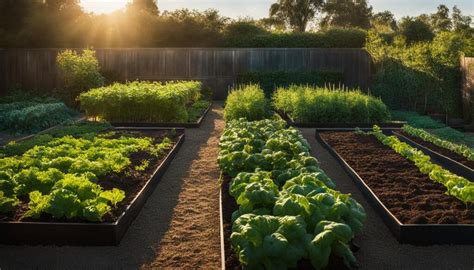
142, 101
329, 105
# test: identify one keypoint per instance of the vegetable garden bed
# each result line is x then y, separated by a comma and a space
384, 125
196, 124
448, 159
416, 209
137, 180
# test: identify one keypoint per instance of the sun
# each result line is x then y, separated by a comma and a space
103, 6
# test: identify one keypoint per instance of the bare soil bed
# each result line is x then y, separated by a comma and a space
445, 152
129, 180
409, 195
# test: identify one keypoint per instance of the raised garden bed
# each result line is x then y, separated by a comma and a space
450, 160
138, 186
196, 124
415, 208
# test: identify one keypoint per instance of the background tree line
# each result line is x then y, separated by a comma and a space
63, 23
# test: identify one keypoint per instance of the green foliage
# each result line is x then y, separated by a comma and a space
271, 80
327, 105
31, 116
346, 13
331, 38
415, 30
416, 120
422, 77
80, 72
60, 175
197, 109
74, 129
142, 101
286, 202
247, 101
460, 149
435, 127
268, 242
457, 186
296, 14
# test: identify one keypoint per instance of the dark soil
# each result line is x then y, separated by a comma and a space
231, 259
129, 180
443, 151
409, 195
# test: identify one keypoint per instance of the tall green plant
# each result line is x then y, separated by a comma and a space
421, 77
328, 105
247, 101
142, 101
79, 72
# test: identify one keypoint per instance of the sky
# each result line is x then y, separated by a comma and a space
259, 8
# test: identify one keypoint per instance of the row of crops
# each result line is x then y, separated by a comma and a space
30, 116
307, 104
288, 207
68, 174
133, 102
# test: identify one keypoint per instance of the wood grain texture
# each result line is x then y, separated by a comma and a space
216, 67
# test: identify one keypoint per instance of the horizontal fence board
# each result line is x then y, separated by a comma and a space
218, 68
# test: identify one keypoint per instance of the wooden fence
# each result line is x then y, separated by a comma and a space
467, 68
215, 67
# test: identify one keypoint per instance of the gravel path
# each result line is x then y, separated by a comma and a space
178, 228
379, 248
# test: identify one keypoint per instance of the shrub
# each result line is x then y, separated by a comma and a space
142, 101
422, 77
247, 101
80, 72
326, 105
270, 80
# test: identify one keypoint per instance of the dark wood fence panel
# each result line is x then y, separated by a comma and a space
215, 67
467, 67
2, 72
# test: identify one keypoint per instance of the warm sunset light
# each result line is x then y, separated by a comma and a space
103, 6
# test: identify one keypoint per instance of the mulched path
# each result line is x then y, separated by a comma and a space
193, 239
410, 195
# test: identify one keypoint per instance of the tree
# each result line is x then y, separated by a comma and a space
440, 20
295, 13
347, 13
415, 30
460, 22
384, 21
148, 6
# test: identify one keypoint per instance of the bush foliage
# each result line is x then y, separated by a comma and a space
329, 105
142, 101
332, 38
247, 101
80, 72
421, 77
33, 116
270, 80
